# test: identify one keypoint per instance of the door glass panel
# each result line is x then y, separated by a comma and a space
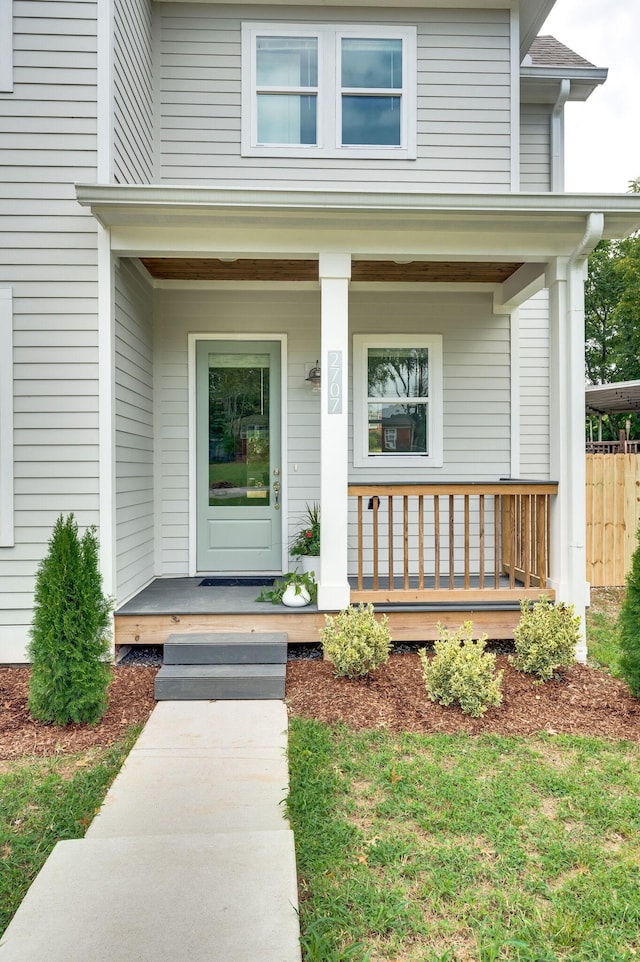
239, 430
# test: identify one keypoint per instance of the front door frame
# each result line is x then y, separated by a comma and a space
193, 338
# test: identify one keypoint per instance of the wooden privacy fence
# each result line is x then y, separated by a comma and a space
451, 542
613, 514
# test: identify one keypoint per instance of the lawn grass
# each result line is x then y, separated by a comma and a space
44, 800
415, 848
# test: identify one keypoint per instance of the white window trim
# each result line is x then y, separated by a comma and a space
6, 419
329, 91
6, 46
361, 456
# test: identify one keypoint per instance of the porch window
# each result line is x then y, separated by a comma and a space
397, 405
326, 91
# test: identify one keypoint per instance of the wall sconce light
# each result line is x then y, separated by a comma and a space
313, 377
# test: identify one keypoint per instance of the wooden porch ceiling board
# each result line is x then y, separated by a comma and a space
265, 269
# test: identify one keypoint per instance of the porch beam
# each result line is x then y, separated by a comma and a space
335, 274
523, 284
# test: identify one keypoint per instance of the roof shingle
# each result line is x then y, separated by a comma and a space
549, 52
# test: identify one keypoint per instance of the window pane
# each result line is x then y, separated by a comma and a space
239, 430
371, 63
287, 61
400, 373
286, 119
398, 429
371, 121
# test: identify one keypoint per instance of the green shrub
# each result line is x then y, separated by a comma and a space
462, 671
629, 624
69, 648
545, 637
355, 642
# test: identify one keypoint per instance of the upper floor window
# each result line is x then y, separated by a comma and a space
327, 91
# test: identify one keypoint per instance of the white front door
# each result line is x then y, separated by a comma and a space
238, 472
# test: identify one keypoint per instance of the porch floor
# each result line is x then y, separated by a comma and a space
186, 596
177, 605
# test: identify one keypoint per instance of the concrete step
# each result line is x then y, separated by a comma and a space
204, 682
226, 648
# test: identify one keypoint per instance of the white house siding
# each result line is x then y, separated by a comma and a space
534, 387
463, 101
476, 385
48, 257
134, 431
535, 161
133, 92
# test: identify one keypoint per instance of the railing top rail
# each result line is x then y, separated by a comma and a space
454, 487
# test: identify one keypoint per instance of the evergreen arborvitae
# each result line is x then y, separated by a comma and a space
630, 625
69, 648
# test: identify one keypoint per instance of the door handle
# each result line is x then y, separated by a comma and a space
276, 491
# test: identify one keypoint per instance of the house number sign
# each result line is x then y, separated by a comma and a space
334, 382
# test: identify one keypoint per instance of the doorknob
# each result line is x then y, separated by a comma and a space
276, 490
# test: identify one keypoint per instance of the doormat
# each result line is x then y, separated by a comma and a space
235, 582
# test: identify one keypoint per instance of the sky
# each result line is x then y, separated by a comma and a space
602, 136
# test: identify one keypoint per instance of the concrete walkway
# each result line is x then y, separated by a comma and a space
190, 857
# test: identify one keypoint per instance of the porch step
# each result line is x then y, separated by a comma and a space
206, 682
222, 665
226, 648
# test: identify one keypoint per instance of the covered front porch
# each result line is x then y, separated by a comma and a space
484, 507
436, 554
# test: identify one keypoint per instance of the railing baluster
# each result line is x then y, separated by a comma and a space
467, 582
526, 540
391, 580
451, 541
376, 551
542, 503
515, 515
481, 539
436, 535
360, 544
498, 536
405, 539
421, 542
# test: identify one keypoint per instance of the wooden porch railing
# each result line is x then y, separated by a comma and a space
451, 542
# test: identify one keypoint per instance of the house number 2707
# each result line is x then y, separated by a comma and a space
334, 382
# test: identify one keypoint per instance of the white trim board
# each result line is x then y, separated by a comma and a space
6, 46
6, 418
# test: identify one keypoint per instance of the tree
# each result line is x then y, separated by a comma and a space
69, 648
629, 622
612, 319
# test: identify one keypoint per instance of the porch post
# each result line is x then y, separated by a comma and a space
333, 586
568, 514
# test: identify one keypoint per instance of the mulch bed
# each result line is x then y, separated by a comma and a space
584, 701
131, 702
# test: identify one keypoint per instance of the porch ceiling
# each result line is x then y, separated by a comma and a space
267, 269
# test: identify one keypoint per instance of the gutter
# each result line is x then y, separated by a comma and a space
557, 137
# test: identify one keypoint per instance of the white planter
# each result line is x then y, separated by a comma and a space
295, 596
309, 563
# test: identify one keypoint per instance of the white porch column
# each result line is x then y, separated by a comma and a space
333, 586
568, 516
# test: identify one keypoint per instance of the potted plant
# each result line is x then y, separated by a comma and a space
306, 542
295, 589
